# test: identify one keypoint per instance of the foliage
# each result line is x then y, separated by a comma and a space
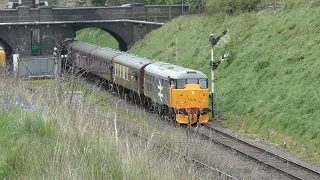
269, 78
234, 6
63, 141
196, 6
97, 36
292, 4
157, 1
98, 2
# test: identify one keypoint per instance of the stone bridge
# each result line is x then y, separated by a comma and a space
35, 31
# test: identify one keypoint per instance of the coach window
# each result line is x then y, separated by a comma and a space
115, 69
135, 76
123, 72
120, 74
127, 73
119, 70
203, 83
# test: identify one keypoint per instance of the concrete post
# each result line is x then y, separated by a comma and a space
36, 3
15, 65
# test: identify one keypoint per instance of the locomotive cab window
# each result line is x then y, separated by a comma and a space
181, 83
203, 83
192, 81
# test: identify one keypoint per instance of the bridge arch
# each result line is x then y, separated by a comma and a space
108, 38
120, 32
123, 46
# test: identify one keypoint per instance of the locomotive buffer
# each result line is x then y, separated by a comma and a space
214, 40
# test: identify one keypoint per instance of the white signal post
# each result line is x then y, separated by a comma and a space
214, 40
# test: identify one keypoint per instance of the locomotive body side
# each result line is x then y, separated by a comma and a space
157, 82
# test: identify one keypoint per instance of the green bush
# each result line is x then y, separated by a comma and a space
195, 6
98, 2
233, 6
292, 4
315, 3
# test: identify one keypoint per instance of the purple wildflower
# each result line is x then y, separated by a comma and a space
7, 107
17, 99
29, 105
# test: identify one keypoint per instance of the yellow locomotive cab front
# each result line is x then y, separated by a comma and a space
2, 58
190, 103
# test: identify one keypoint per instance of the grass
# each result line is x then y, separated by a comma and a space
269, 80
50, 139
3, 3
97, 36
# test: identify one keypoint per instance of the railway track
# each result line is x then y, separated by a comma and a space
282, 164
198, 162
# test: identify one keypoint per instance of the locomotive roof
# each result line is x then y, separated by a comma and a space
131, 61
164, 70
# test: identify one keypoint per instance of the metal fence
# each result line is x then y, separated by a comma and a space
36, 66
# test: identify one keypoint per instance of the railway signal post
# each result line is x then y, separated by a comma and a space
214, 40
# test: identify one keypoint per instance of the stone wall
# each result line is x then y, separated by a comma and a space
136, 12
19, 37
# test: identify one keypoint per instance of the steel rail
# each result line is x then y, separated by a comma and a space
121, 126
277, 162
179, 153
280, 163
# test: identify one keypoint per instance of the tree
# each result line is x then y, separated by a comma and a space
98, 2
233, 6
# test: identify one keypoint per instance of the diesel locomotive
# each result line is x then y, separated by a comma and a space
174, 91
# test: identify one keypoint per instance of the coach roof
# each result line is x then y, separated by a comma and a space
96, 51
105, 53
82, 47
131, 61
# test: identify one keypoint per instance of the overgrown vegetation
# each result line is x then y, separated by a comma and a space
97, 36
98, 2
43, 136
267, 85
